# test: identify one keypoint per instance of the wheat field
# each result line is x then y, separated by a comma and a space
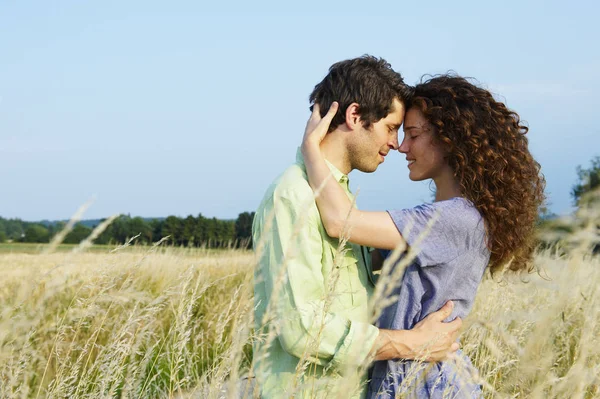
162, 322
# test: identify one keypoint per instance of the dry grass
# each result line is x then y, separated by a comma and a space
144, 323
156, 322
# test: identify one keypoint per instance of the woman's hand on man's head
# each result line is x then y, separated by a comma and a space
317, 127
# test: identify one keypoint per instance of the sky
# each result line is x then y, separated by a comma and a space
160, 108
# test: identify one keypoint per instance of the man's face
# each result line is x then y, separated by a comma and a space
368, 148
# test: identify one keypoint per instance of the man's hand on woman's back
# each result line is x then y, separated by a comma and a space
430, 340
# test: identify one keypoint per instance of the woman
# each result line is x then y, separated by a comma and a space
488, 192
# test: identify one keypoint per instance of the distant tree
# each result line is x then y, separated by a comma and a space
157, 226
243, 228
36, 233
55, 228
200, 231
78, 234
228, 232
211, 231
118, 231
14, 229
173, 227
3, 236
222, 233
588, 180
136, 226
106, 236
188, 231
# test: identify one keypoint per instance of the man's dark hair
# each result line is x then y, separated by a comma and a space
368, 81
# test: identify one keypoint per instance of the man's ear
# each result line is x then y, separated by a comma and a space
353, 117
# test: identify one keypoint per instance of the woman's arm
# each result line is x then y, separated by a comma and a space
374, 229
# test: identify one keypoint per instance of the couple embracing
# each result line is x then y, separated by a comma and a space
330, 321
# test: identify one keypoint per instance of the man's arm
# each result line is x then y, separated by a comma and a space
430, 340
298, 293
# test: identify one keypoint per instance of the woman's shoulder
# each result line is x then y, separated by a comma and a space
457, 211
458, 208
460, 217
464, 223
456, 216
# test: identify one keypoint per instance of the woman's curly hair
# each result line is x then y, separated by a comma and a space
487, 150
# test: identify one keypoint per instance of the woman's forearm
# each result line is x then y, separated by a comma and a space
333, 203
373, 229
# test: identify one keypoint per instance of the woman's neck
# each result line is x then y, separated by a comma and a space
446, 186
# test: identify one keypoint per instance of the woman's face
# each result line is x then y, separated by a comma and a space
425, 155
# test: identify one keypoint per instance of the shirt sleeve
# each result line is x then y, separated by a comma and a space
307, 329
425, 229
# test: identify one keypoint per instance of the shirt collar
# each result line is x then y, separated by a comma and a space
337, 174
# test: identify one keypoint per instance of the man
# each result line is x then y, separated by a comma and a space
311, 292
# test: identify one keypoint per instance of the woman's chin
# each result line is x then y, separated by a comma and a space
415, 177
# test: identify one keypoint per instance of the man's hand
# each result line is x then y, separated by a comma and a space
430, 340
437, 339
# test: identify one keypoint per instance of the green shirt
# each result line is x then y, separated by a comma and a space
311, 300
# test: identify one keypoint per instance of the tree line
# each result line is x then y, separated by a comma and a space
190, 231
213, 232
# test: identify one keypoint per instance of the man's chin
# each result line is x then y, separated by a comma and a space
367, 168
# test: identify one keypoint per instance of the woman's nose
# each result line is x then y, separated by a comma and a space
404, 147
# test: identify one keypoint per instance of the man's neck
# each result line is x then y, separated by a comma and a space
334, 150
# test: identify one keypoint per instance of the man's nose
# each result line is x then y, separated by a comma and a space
394, 142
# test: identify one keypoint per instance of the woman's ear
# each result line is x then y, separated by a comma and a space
353, 116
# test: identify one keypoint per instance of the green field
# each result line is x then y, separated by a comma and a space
35, 248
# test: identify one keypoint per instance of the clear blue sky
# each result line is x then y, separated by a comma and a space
186, 107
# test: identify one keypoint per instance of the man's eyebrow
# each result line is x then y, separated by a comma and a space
395, 125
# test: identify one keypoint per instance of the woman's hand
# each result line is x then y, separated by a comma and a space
317, 127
